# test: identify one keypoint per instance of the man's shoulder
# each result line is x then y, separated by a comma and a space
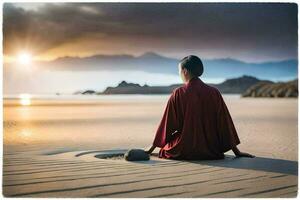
214, 90
178, 92
179, 89
182, 89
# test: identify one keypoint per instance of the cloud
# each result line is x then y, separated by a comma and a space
253, 27
50, 26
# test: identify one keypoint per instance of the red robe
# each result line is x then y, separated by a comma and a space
196, 124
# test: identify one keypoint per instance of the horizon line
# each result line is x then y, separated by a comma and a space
153, 53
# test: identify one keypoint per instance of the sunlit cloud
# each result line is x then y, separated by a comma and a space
174, 29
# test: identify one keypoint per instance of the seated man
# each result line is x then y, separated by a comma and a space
196, 123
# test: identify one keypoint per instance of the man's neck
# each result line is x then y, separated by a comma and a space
190, 78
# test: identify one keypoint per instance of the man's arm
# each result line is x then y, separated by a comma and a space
238, 153
167, 125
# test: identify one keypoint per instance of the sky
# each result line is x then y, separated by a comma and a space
250, 32
253, 32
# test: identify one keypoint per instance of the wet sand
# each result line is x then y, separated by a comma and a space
52, 148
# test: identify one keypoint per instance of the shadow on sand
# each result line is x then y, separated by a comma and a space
257, 163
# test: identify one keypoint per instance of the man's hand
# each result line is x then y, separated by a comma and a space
243, 154
238, 153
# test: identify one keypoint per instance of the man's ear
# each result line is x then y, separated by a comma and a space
185, 71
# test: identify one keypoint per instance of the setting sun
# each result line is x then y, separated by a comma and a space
25, 99
24, 58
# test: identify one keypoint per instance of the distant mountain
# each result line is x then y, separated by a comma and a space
148, 62
266, 89
154, 63
232, 86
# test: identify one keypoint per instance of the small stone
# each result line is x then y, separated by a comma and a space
136, 155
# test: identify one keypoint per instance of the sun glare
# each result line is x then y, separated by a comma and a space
25, 99
25, 133
24, 58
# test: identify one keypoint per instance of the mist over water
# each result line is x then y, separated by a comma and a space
50, 82
37, 81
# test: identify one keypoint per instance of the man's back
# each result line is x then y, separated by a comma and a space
204, 127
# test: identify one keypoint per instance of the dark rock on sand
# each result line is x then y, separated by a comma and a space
136, 155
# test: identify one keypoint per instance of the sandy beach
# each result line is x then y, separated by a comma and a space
53, 148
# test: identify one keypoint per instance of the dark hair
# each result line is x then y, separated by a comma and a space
193, 64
